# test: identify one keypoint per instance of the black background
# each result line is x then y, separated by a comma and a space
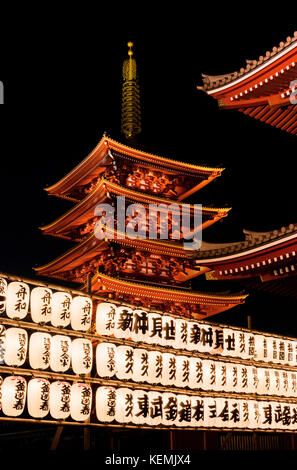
61, 71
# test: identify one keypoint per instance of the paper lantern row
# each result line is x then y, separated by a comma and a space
58, 308
57, 352
155, 367
177, 333
59, 399
123, 405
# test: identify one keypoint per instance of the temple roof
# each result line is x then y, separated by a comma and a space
102, 156
84, 210
208, 304
261, 89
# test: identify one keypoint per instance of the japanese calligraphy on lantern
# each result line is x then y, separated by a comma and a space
181, 334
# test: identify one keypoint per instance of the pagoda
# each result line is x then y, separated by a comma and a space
151, 272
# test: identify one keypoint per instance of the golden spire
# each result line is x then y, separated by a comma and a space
131, 114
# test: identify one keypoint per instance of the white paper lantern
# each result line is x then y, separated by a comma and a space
60, 357
59, 402
292, 384
194, 337
2, 343
228, 413
198, 411
141, 407
14, 391
80, 402
125, 405
106, 359
38, 398
261, 351
182, 332
81, 356
245, 379
41, 304
16, 345
106, 404
211, 411
170, 411
61, 303
81, 313
182, 371
3, 292
197, 380
240, 343
155, 408
155, 367
140, 331
184, 407
169, 331
141, 365
169, 369
155, 333
105, 319
276, 382
39, 350
266, 414
17, 300
124, 362
211, 378
123, 322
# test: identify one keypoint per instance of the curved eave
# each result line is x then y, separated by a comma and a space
98, 157
79, 213
103, 282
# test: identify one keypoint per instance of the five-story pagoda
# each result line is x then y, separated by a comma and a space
123, 248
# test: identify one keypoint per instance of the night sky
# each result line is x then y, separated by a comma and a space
62, 82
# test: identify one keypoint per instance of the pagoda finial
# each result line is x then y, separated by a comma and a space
131, 114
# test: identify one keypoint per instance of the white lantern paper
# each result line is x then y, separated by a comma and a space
141, 407
292, 384
124, 362
41, 304
106, 359
17, 300
170, 411
39, 350
125, 405
61, 302
182, 331
106, 404
169, 369
3, 291
60, 357
155, 408
169, 331
155, 333
123, 322
155, 367
260, 348
182, 371
210, 374
38, 398
184, 407
197, 379
13, 395
276, 382
59, 402
211, 411
197, 404
81, 313
80, 401
141, 365
140, 331
16, 345
2, 343
81, 356
105, 319
240, 344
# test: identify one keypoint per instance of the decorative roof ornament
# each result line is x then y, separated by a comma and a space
131, 113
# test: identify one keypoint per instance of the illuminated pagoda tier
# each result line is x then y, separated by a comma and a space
154, 272
264, 89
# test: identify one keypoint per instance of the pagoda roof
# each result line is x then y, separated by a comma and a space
208, 304
264, 254
101, 157
262, 88
84, 210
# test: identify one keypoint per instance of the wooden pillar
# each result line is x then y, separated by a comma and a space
56, 438
249, 322
87, 438
204, 440
171, 440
